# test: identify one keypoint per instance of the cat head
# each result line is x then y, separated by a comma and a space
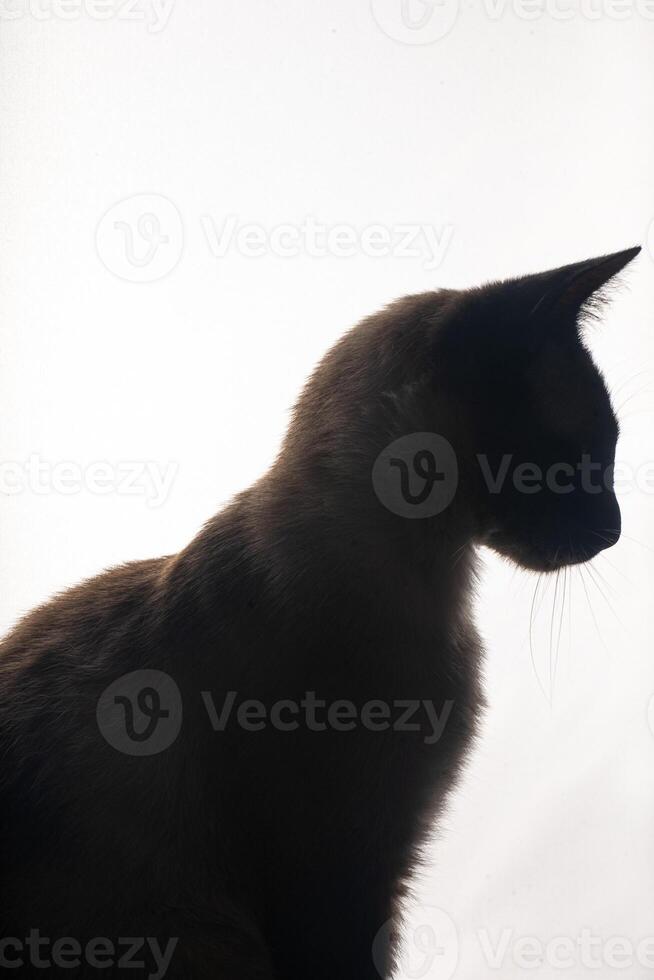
541, 431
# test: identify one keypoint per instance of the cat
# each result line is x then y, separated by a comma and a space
237, 752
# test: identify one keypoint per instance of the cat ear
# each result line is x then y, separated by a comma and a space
568, 288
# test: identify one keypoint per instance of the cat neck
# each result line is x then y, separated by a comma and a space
335, 537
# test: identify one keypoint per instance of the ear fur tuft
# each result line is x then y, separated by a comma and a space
582, 285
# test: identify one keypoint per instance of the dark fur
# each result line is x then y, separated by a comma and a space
277, 854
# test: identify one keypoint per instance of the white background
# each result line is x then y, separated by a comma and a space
523, 137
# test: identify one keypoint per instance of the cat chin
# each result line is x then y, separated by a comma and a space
538, 563
532, 559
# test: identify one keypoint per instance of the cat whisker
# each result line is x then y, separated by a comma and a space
570, 578
558, 639
590, 607
551, 663
633, 415
629, 538
596, 571
593, 572
614, 567
458, 554
608, 540
634, 394
627, 381
556, 646
532, 614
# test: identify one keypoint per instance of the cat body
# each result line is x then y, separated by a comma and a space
324, 665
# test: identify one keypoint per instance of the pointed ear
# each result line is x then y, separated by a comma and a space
565, 290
